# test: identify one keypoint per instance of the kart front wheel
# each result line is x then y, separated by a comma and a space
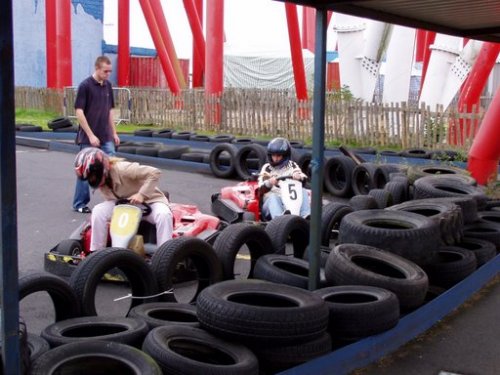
69, 247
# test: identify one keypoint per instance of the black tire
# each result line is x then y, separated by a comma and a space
412, 236
483, 250
288, 228
68, 129
398, 190
30, 128
338, 176
163, 133
86, 277
37, 346
94, 357
127, 149
243, 141
492, 217
229, 242
382, 174
438, 187
282, 269
222, 138
172, 152
128, 331
185, 135
193, 351
290, 314
147, 151
59, 123
251, 150
446, 214
158, 314
143, 133
418, 153
382, 197
417, 171
196, 253
451, 265
485, 231
331, 217
69, 247
274, 359
196, 157
357, 311
363, 202
66, 304
354, 264
363, 178
216, 166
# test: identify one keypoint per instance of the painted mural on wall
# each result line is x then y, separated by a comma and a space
30, 43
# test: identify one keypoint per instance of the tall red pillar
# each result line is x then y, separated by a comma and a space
214, 60
299, 72
124, 43
194, 12
430, 36
58, 43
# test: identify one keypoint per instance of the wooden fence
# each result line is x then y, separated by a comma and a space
254, 113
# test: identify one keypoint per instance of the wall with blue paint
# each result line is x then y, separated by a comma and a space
30, 43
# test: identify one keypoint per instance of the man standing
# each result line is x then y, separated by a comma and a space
93, 107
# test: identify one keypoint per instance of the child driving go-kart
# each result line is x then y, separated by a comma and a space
280, 182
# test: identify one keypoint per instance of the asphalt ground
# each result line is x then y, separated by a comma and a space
465, 343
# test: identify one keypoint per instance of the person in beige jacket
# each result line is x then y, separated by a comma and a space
119, 179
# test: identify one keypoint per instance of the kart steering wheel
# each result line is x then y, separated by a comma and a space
146, 208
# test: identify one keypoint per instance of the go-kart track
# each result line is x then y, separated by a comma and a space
465, 343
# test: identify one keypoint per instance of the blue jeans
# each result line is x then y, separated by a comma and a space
273, 206
82, 188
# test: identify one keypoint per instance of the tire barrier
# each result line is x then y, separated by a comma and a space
412, 236
128, 331
185, 259
86, 277
483, 250
291, 314
64, 299
92, 357
157, 314
193, 351
354, 264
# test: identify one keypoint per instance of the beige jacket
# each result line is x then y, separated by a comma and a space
129, 178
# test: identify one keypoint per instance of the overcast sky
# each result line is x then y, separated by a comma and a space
256, 25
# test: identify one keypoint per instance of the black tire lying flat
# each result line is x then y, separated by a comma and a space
288, 228
358, 311
353, 264
483, 250
95, 357
283, 269
229, 242
451, 265
412, 236
216, 166
86, 277
197, 252
128, 331
158, 314
193, 351
237, 310
59, 123
66, 303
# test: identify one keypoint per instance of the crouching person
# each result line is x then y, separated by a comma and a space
117, 179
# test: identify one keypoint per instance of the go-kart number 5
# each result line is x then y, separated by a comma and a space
292, 192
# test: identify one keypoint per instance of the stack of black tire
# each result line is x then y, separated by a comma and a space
62, 125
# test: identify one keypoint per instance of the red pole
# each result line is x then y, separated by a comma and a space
485, 151
430, 36
58, 43
160, 47
296, 51
194, 13
167, 41
474, 86
214, 68
124, 43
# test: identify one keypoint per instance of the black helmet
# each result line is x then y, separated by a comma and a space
279, 146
